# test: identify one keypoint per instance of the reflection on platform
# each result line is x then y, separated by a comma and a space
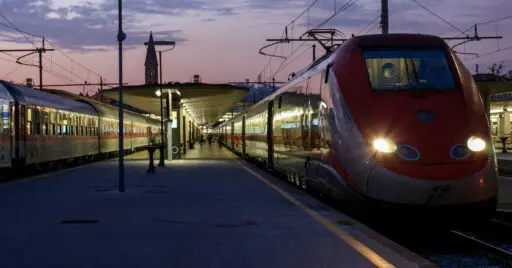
206, 151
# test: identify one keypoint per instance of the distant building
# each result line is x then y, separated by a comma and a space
151, 64
29, 82
196, 79
256, 93
488, 77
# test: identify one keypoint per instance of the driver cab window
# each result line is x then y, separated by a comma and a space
408, 70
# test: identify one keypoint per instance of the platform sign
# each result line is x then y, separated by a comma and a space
502, 96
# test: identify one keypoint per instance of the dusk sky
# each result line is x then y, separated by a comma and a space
220, 39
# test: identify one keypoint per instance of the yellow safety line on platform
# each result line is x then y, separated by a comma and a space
369, 254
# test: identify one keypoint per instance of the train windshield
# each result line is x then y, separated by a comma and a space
408, 69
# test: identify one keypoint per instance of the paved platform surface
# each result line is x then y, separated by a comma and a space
196, 212
505, 162
505, 191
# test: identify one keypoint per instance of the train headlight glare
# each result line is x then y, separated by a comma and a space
384, 145
476, 144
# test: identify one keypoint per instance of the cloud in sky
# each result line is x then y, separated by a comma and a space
88, 25
215, 36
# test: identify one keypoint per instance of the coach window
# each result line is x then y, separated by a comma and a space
37, 121
77, 125
29, 121
64, 122
44, 122
72, 125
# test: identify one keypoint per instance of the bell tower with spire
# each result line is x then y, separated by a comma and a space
151, 64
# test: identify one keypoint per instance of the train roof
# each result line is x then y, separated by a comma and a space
398, 40
28, 95
112, 112
105, 110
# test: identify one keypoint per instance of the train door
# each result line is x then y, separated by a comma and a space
20, 133
232, 134
5, 134
243, 136
306, 120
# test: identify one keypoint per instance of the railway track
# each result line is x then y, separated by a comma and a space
502, 255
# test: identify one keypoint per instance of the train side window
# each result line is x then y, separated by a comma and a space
37, 128
280, 102
326, 75
29, 128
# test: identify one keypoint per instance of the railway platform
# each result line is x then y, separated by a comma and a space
209, 209
505, 186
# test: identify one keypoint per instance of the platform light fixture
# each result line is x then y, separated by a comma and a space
161, 43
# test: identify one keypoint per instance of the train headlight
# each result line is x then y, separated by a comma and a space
384, 145
476, 144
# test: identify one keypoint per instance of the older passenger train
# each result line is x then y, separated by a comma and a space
393, 121
40, 128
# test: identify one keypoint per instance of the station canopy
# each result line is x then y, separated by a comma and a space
206, 103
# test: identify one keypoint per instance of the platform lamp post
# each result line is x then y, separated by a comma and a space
161, 163
121, 36
169, 92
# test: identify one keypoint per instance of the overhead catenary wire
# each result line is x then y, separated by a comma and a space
348, 4
284, 33
65, 69
270, 58
292, 61
303, 12
22, 33
488, 22
368, 25
16, 69
344, 7
45, 68
19, 30
484, 23
71, 59
492, 52
439, 17
495, 20
372, 28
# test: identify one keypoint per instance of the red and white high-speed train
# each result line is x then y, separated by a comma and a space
394, 120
